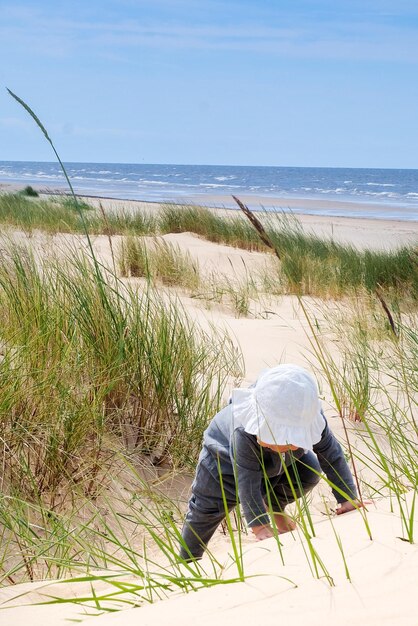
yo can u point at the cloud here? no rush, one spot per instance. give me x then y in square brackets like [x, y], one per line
[58, 129]
[299, 35]
[15, 123]
[334, 42]
[69, 129]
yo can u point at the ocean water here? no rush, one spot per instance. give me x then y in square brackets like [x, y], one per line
[384, 193]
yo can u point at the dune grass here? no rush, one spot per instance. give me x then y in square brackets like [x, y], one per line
[83, 362]
[158, 261]
[311, 265]
[239, 292]
[162, 262]
[28, 215]
[375, 376]
[230, 230]
[63, 214]
[308, 265]
[93, 377]
[130, 542]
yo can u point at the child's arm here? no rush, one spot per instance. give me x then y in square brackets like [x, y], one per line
[245, 458]
[331, 458]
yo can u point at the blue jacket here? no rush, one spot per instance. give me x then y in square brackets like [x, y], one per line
[244, 463]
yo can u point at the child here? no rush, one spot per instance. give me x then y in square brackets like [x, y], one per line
[275, 423]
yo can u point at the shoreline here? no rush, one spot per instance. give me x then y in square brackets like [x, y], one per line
[362, 232]
[300, 206]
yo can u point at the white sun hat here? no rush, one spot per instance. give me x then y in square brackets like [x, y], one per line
[282, 408]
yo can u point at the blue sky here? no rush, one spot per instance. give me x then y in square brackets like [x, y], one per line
[303, 83]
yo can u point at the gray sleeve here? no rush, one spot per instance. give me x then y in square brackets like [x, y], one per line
[332, 461]
[249, 476]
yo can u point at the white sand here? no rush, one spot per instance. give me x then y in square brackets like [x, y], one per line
[382, 590]
[383, 573]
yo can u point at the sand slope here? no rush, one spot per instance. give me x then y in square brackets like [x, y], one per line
[383, 588]
[383, 571]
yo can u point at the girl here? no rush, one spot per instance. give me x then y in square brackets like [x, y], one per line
[267, 446]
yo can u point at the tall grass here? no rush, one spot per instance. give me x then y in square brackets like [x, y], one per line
[158, 260]
[319, 266]
[28, 215]
[78, 369]
[230, 230]
[61, 214]
[129, 543]
[308, 265]
[236, 291]
[383, 396]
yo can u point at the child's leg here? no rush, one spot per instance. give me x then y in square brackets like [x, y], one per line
[206, 511]
[202, 519]
[304, 474]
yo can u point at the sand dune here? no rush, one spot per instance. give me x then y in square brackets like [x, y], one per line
[383, 570]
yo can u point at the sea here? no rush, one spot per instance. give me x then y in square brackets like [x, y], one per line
[375, 193]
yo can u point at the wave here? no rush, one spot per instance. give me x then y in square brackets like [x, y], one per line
[214, 185]
[352, 192]
[45, 176]
[386, 194]
[97, 180]
[153, 182]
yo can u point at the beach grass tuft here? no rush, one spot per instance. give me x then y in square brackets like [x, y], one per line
[158, 261]
[84, 362]
[29, 191]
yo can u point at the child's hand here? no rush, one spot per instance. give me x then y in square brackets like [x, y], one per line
[262, 532]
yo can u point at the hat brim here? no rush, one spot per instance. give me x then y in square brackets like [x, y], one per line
[245, 413]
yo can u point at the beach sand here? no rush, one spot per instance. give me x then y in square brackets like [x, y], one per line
[383, 570]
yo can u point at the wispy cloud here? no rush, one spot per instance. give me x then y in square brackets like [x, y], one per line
[103, 131]
[331, 38]
[15, 123]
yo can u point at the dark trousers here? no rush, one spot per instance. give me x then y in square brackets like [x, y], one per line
[207, 510]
